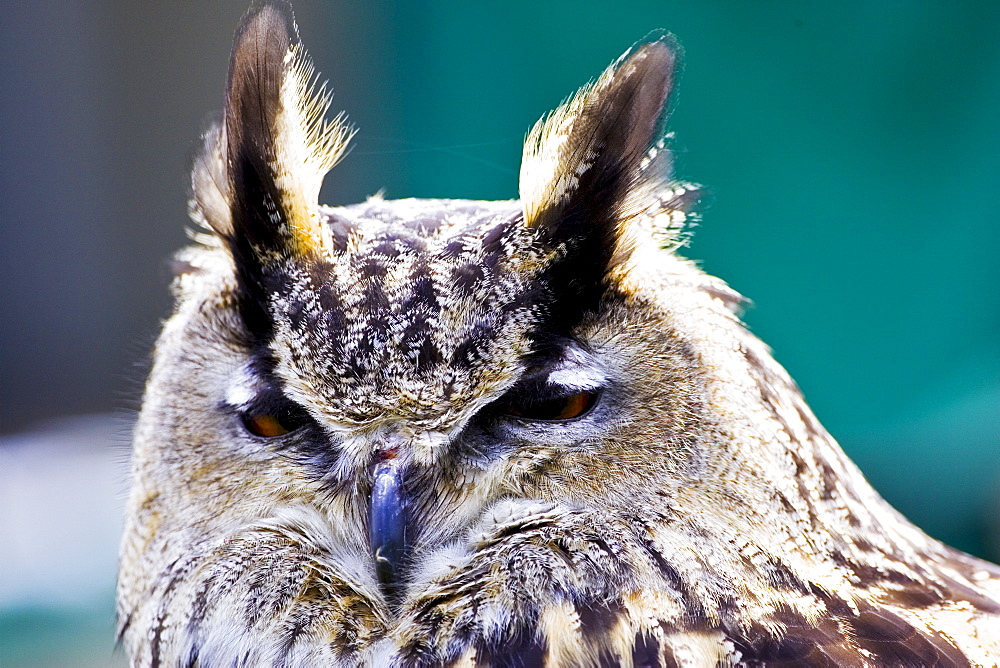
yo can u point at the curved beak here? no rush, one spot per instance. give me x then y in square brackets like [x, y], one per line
[387, 519]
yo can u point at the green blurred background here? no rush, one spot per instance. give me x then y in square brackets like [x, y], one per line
[852, 150]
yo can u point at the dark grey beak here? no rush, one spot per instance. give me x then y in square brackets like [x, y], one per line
[387, 519]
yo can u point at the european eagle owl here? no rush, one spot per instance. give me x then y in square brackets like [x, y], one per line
[467, 433]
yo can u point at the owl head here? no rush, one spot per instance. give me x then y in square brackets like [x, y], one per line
[457, 352]
[421, 430]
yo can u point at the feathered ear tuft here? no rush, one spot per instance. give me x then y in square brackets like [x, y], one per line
[278, 147]
[598, 166]
[257, 178]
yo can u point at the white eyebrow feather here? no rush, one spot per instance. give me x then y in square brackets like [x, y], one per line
[578, 370]
[242, 388]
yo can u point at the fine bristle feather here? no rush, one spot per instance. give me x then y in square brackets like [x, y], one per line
[210, 194]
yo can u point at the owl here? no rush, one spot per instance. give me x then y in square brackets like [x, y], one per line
[517, 433]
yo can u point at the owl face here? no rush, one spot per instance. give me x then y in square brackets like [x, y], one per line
[416, 432]
[445, 338]
[425, 345]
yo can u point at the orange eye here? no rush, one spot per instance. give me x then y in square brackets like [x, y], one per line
[558, 408]
[265, 426]
[272, 415]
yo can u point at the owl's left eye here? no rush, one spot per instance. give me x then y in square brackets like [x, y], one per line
[552, 409]
[265, 426]
[274, 422]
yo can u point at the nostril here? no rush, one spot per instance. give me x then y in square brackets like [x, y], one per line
[386, 454]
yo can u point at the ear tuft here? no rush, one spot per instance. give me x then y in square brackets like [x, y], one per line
[598, 168]
[278, 145]
[603, 131]
[256, 181]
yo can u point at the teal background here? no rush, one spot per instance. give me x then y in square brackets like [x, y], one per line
[852, 150]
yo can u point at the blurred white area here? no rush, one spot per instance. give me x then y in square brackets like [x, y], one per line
[62, 492]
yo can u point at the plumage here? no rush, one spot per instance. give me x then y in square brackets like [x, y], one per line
[450, 432]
